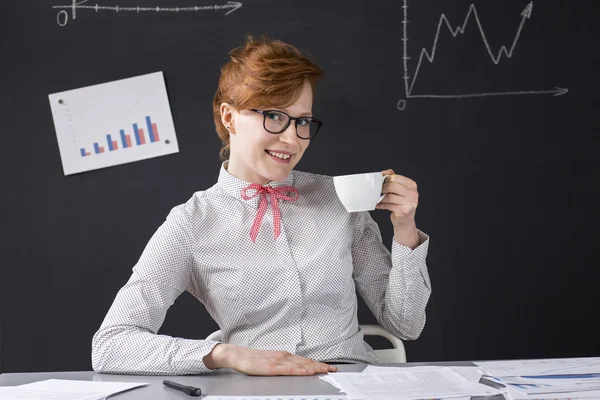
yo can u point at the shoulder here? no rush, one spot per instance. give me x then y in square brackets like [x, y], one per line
[319, 191]
[307, 180]
[191, 212]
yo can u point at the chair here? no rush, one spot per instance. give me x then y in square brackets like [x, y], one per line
[396, 354]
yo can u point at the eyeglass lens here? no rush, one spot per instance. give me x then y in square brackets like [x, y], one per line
[277, 122]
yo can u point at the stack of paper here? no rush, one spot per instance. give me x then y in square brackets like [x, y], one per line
[547, 379]
[58, 389]
[409, 383]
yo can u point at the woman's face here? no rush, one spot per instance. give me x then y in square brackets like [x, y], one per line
[252, 154]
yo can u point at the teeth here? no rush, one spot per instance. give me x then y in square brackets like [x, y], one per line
[280, 155]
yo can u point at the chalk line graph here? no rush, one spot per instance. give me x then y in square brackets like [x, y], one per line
[62, 17]
[504, 51]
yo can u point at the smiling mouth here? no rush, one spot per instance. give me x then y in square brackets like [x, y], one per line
[280, 156]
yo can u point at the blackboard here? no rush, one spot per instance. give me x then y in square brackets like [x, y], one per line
[508, 175]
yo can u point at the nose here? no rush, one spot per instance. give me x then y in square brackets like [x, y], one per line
[289, 135]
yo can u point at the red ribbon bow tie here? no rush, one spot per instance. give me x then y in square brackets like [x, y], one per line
[275, 193]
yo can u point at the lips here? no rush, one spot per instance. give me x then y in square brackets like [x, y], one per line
[281, 154]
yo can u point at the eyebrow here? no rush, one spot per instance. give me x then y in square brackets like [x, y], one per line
[304, 114]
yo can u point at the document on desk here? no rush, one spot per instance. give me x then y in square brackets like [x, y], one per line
[555, 366]
[534, 386]
[286, 397]
[59, 389]
[551, 378]
[408, 383]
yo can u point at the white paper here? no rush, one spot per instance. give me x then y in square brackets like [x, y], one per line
[516, 395]
[557, 366]
[408, 383]
[556, 387]
[286, 397]
[331, 381]
[113, 123]
[470, 373]
[59, 389]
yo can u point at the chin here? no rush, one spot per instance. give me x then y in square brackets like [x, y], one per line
[274, 176]
[275, 173]
[278, 175]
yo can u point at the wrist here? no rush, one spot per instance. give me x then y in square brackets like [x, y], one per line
[220, 356]
[407, 235]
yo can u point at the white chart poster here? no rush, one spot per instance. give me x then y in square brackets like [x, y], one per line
[113, 123]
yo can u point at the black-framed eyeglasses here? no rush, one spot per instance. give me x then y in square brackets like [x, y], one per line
[275, 121]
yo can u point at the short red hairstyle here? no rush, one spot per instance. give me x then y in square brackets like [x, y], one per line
[262, 72]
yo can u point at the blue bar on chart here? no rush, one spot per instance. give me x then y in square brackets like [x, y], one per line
[124, 139]
[110, 143]
[96, 148]
[150, 130]
[82, 152]
[136, 132]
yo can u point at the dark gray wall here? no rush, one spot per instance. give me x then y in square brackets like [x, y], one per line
[508, 184]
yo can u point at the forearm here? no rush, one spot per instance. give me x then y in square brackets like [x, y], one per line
[408, 290]
[127, 350]
[404, 311]
[407, 235]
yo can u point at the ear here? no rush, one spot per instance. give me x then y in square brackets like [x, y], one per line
[228, 113]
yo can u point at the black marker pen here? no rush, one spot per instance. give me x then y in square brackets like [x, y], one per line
[189, 390]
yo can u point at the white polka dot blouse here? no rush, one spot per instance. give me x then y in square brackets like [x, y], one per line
[295, 292]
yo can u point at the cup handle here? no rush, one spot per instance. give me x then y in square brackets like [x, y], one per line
[382, 182]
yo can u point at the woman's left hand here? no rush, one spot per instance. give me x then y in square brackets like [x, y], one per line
[402, 199]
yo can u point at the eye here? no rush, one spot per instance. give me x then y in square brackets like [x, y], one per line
[304, 122]
[274, 116]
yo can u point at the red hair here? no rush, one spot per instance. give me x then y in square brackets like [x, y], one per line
[262, 72]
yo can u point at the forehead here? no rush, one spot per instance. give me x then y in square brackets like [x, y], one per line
[301, 106]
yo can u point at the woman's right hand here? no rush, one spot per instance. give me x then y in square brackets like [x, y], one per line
[263, 362]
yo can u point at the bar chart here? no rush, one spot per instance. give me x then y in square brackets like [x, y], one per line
[113, 123]
[125, 139]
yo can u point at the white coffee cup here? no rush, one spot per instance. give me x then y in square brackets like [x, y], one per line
[360, 192]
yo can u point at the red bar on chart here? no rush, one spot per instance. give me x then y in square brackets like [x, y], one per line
[87, 154]
[142, 138]
[115, 145]
[128, 140]
[101, 149]
[155, 131]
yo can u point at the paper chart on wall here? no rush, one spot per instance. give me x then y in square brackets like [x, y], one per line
[113, 123]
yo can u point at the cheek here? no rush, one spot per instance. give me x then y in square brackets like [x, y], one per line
[256, 139]
[304, 145]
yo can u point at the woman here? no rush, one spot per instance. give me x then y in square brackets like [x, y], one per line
[269, 251]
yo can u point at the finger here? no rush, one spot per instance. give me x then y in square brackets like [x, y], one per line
[398, 188]
[388, 172]
[290, 370]
[322, 368]
[409, 200]
[396, 208]
[316, 366]
[302, 363]
[403, 180]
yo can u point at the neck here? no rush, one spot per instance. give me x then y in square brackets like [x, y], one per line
[239, 173]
